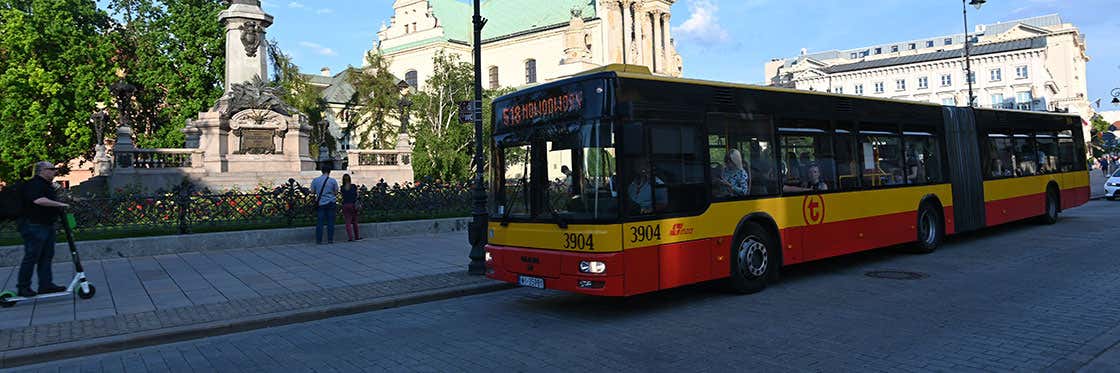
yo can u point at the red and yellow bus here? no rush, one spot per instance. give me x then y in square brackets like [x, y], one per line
[618, 182]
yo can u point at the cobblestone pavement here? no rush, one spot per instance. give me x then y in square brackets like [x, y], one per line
[152, 293]
[1022, 297]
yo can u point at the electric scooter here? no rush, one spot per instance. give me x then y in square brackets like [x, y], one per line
[79, 284]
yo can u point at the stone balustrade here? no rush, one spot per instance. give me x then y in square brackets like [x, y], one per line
[157, 158]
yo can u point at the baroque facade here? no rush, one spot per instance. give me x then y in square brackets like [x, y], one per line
[526, 42]
[1028, 64]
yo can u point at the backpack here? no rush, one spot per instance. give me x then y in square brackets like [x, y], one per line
[11, 202]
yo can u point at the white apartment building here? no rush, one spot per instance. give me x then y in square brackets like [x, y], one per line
[530, 41]
[1028, 64]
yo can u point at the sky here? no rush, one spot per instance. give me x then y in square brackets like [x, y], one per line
[731, 40]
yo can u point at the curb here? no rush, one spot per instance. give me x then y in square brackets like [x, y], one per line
[101, 345]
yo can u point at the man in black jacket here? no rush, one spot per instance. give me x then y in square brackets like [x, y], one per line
[37, 227]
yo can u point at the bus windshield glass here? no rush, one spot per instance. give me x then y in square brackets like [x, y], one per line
[562, 172]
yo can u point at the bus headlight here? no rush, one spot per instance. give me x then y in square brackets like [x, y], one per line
[592, 267]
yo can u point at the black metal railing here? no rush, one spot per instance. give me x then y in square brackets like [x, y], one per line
[186, 209]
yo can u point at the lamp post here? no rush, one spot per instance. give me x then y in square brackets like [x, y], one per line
[477, 234]
[967, 60]
[1116, 96]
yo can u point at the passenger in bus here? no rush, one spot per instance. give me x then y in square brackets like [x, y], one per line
[720, 188]
[734, 175]
[792, 169]
[914, 171]
[998, 170]
[641, 191]
[813, 180]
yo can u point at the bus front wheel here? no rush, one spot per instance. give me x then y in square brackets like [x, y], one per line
[755, 259]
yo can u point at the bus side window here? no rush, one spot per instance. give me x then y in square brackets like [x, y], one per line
[670, 176]
[922, 158]
[1066, 151]
[847, 159]
[1000, 164]
[741, 155]
[809, 161]
[880, 155]
[1047, 152]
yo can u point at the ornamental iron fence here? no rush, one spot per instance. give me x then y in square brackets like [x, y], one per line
[186, 209]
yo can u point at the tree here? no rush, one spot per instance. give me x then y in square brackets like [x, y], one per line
[1100, 141]
[54, 65]
[173, 51]
[300, 94]
[443, 145]
[376, 99]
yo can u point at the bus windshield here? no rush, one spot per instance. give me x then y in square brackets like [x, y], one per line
[562, 172]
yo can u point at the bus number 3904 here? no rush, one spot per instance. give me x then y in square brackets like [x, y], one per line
[641, 233]
[579, 241]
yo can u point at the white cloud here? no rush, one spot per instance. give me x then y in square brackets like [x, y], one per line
[702, 25]
[324, 11]
[295, 4]
[318, 48]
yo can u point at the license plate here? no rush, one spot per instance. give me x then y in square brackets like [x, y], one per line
[533, 282]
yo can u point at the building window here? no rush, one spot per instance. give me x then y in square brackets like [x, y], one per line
[840, 90]
[996, 74]
[946, 80]
[493, 77]
[1021, 72]
[406, 29]
[951, 101]
[923, 82]
[948, 41]
[859, 89]
[1023, 100]
[972, 77]
[997, 101]
[879, 87]
[530, 71]
[878, 50]
[929, 44]
[894, 49]
[913, 46]
[900, 85]
[411, 78]
[854, 55]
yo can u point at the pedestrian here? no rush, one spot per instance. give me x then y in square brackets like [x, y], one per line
[39, 212]
[326, 190]
[350, 206]
[1104, 165]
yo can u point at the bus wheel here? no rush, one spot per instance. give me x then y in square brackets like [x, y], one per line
[1050, 216]
[754, 260]
[931, 229]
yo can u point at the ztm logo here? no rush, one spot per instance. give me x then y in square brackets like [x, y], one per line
[679, 229]
[813, 208]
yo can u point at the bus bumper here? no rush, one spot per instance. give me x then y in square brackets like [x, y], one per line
[556, 270]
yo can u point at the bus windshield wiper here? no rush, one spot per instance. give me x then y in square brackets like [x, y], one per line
[556, 218]
[509, 209]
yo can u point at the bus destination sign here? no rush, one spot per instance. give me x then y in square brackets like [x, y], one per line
[550, 107]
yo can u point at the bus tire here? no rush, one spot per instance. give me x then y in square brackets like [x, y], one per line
[755, 258]
[1050, 214]
[930, 228]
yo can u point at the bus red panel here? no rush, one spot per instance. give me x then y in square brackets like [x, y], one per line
[1012, 209]
[1074, 197]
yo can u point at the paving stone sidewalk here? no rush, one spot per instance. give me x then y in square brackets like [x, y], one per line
[174, 291]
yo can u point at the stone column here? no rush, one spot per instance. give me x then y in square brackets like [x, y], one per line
[658, 54]
[246, 52]
[627, 31]
[667, 65]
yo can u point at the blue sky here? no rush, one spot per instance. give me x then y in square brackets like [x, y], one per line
[730, 40]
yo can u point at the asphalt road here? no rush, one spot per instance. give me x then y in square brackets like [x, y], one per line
[1019, 297]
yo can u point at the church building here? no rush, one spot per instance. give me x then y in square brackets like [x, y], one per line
[526, 42]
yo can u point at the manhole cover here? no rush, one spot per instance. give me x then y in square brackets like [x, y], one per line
[896, 275]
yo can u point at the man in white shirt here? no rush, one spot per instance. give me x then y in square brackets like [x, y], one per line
[325, 189]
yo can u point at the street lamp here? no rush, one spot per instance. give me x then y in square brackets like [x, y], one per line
[967, 60]
[1116, 96]
[477, 233]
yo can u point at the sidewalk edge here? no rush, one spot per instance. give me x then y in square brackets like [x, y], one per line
[67, 350]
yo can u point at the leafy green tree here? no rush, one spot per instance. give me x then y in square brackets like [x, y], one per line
[1099, 140]
[54, 65]
[300, 94]
[376, 100]
[444, 146]
[173, 51]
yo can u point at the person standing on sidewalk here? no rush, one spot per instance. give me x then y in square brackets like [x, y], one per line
[350, 208]
[325, 189]
[40, 210]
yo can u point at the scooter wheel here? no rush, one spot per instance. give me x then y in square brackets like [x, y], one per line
[4, 302]
[86, 294]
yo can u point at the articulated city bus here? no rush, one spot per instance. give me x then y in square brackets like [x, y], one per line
[617, 182]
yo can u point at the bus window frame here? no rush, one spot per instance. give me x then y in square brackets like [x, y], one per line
[780, 150]
[772, 139]
[625, 215]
